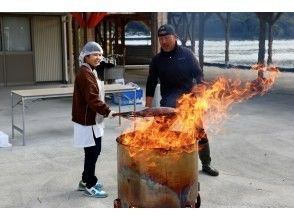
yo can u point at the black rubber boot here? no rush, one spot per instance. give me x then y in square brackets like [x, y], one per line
[204, 155]
[209, 170]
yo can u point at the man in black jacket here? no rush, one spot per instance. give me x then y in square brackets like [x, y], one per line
[177, 70]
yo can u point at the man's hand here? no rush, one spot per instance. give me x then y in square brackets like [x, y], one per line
[149, 100]
[199, 89]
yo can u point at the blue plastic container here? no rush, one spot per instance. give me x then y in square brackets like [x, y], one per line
[127, 98]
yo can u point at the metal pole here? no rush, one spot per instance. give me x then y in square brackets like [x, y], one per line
[64, 42]
[70, 50]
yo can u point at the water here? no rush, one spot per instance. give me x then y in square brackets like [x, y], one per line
[243, 52]
[246, 52]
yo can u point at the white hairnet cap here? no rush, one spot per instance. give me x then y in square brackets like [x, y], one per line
[89, 48]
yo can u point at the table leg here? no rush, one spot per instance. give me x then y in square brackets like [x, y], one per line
[23, 122]
[119, 108]
[12, 116]
[135, 100]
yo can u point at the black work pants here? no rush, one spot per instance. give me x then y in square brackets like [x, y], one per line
[203, 145]
[91, 156]
[204, 150]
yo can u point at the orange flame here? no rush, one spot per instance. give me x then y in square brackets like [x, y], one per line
[211, 100]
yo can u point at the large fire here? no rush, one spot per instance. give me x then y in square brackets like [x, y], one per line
[209, 101]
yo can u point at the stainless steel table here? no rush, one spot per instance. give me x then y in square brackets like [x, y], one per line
[20, 97]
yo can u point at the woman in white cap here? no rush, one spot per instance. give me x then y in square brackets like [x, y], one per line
[88, 112]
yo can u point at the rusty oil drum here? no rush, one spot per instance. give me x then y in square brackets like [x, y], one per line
[157, 178]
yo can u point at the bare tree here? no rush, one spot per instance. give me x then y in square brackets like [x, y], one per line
[184, 24]
[202, 18]
[192, 27]
[227, 24]
[264, 18]
[272, 19]
[262, 34]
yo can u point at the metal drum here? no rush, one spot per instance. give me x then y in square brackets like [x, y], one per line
[156, 177]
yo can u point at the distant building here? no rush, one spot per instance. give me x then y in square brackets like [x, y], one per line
[32, 48]
[43, 47]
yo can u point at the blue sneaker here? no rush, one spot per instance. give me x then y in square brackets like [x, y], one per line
[82, 186]
[93, 192]
[99, 186]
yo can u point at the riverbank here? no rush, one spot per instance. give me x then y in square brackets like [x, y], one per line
[246, 67]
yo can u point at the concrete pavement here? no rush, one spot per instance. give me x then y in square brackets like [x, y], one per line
[254, 152]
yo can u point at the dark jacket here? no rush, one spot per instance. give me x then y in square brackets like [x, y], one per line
[86, 102]
[177, 71]
[101, 68]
